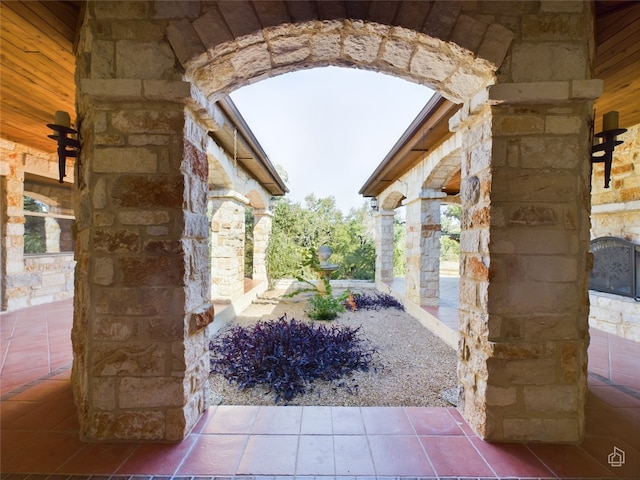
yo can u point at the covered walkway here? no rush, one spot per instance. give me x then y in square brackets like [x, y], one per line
[40, 430]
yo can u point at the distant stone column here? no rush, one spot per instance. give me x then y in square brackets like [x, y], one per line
[52, 235]
[423, 249]
[14, 280]
[261, 233]
[384, 245]
[227, 245]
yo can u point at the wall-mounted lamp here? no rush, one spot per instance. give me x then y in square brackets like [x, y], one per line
[67, 147]
[604, 148]
[374, 203]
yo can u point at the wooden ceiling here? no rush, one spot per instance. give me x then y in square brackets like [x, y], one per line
[37, 65]
[617, 60]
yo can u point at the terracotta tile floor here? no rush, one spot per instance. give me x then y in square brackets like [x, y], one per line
[39, 431]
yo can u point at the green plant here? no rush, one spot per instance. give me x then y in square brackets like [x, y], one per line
[326, 307]
[322, 305]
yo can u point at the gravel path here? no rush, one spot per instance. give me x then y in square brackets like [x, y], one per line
[414, 367]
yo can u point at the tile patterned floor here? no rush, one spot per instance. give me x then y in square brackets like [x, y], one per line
[39, 430]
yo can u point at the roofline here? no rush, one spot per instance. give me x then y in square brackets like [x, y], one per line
[231, 111]
[435, 102]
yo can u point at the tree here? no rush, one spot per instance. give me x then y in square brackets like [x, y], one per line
[399, 244]
[283, 254]
[354, 243]
[249, 221]
[450, 220]
[297, 228]
[450, 216]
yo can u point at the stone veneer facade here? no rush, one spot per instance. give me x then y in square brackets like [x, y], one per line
[522, 71]
[27, 280]
[615, 212]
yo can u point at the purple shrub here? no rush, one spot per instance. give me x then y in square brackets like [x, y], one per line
[364, 301]
[288, 355]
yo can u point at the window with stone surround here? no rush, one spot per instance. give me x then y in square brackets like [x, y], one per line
[48, 215]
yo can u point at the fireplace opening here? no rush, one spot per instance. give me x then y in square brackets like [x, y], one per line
[616, 267]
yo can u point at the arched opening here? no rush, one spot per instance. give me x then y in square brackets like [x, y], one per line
[459, 56]
[361, 45]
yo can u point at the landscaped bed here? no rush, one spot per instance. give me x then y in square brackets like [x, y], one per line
[408, 365]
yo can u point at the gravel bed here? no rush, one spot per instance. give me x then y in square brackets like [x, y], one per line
[414, 367]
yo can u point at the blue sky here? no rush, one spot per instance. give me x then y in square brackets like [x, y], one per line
[329, 127]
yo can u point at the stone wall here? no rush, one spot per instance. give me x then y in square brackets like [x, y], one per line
[615, 212]
[230, 191]
[615, 314]
[28, 280]
[524, 241]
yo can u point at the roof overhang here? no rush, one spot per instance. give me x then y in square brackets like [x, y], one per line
[428, 130]
[237, 139]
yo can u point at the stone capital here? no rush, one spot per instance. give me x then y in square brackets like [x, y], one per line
[229, 195]
[545, 92]
[426, 194]
[118, 89]
[385, 213]
[259, 213]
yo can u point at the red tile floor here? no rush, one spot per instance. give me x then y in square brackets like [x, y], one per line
[39, 430]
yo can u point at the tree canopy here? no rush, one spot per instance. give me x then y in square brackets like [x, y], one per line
[298, 228]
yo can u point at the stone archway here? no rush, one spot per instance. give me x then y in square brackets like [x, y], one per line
[524, 122]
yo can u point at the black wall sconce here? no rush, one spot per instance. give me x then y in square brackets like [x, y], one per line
[374, 203]
[67, 147]
[604, 148]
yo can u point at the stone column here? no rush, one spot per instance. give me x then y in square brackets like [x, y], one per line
[524, 267]
[227, 245]
[141, 306]
[15, 282]
[423, 249]
[141, 292]
[522, 357]
[263, 220]
[384, 245]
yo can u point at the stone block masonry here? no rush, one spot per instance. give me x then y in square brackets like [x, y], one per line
[227, 247]
[28, 279]
[142, 299]
[525, 195]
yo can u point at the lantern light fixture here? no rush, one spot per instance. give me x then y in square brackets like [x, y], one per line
[606, 143]
[67, 146]
[374, 203]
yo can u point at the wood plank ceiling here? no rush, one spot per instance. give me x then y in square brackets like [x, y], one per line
[37, 65]
[617, 60]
